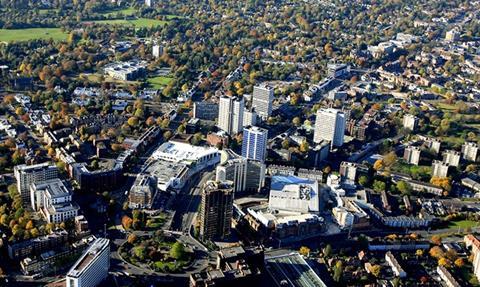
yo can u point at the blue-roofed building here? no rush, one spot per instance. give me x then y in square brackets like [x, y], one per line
[296, 194]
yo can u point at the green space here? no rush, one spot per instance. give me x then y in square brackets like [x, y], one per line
[126, 12]
[139, 23]
[11, 35]
[46, 11]
[462, 224]
[159, 82]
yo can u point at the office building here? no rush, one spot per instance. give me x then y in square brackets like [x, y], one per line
[28, 174]
[330, 126]
[262, 99]
[294, 194]
[92, 267]
[410, 122]
[54, 200]
[246, 175]
[254, 145]
[205, 111]
[470, 151]
[230, 114]
[157, 49]
[439, 169]
[451, 157]
[412, 155]
[216, 210]
[142, 193]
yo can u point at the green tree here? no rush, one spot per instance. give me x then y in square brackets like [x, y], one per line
[379, 185]
[178, 251]
[337, 271]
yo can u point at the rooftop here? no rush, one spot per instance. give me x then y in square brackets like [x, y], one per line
[93, 251]
[294, 270]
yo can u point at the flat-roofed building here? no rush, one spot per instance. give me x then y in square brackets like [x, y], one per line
[412, 155]
[392, 261]
[292, 268]
[216, 210]
[92, 267]
[291, 193]
[54, 200]
[262, 99]
[246, 175]
[28, 174]
[451, 157]
[470, 151]
[439, 169]
[410, 122]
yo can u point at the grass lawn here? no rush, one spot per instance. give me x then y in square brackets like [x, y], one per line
[11, 35]
[46, 11]
[462, 224]
[140, 23]
[159, 82]
[126, 12]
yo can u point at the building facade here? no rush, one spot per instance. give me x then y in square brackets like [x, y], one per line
[330, 126]
[262, 99]
[28, 174]
[412, 155]
[254, 145]
[92, 267]
[216, 210]
[230, 114]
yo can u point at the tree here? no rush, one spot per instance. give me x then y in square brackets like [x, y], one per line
[363, 180]
[459, 262]
[444, 262]
[419, 253]
[178, 251]
[379, 186]
[376, 270]
[403, 186]
[304, 250]
[133, 121]
[327, 252]
[337, 271]
[150, 121]
[132, 238]
[436, 252]
[378, 165]
[285, 144]
[127, 222]
[437, 240]
[304, 147]
[296, 121]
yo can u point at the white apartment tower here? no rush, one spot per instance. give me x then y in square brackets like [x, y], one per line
[451, 157]
[439, 169]
[92, 267]
[230, 114]
[262, 99]
[410, 122]
[330, 126]
[28, 174]
[412, 155]
[470, 151]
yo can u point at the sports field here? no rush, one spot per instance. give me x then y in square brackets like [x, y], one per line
[11, 35]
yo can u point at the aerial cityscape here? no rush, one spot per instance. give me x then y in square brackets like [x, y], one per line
[225, 143]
